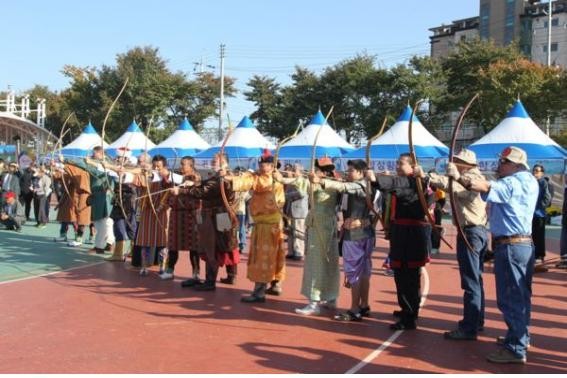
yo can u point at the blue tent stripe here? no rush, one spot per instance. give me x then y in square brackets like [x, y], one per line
[113, 152]
[77, 152]
[534, 151]
[296, 152]
[231, 152]
[169, 152]
[392, 151]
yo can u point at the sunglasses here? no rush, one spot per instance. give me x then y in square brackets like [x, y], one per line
[504, 161]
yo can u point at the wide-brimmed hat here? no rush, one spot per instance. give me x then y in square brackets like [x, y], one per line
[466, 156]
[515, 155]
[325, 163]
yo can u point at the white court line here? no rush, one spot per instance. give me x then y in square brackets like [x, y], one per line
[375, 353]
[51, 273]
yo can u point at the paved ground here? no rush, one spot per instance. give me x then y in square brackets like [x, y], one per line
[101, 317]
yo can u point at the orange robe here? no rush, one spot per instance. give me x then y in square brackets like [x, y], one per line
[73, 205]
[266, 260]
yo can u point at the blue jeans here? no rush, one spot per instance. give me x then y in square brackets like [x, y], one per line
[241, 231]
[471, 266]
[513, 269]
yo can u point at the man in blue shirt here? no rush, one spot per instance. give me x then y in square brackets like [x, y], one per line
[512, 201]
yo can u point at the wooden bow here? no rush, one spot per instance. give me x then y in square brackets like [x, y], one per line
[148, 182]
[369, 201]
[284, 141]
[451, 157]
[229, 209]
[312, 163]
[103, 133]
[60, 143]
[120, 198]
[419, 184]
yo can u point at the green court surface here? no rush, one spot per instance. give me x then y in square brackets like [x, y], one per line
[34, 253]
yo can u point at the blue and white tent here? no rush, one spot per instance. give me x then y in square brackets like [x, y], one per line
[329, 143]
[386, 149]
[83, 145]
[183, 142]
[243, 147]
[519, 130]
[133, 140]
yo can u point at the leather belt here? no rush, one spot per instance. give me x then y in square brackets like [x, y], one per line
[513, 239]
[354, 223]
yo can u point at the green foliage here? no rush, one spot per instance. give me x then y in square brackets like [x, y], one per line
[361, 93]
[153, 93]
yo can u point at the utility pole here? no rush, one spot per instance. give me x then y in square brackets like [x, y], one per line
[221, 105]
[549, 10]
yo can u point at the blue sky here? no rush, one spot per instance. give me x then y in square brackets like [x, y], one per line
[262, 37]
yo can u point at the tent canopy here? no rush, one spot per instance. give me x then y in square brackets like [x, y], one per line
[133, 140]
[83, 145]
[329, 142]
[243, 147]
[518, 129]
[183, 142]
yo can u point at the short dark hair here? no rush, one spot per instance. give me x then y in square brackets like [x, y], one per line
[536, 166]
[160, 158]
[190, 158]
[358, 164]
[97, 148]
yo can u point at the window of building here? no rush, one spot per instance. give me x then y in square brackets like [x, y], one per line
[484, 20]
[554, 23]
[554, 47]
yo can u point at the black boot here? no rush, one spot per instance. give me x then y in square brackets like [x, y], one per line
[231, 271]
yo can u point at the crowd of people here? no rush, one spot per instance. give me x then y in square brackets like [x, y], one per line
[326, 217]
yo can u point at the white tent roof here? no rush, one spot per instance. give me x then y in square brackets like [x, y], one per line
[84, 143]
[245, 141]
[183, 142]
[519, 130]
[133, 139]
[329, 142]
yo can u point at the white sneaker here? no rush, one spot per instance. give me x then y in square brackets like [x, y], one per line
[434, 251]
[143, 272]
[166, 276]
[74, 243]
[311, 309]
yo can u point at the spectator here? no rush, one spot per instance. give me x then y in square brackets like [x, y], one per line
[12, 214]
[539, 217]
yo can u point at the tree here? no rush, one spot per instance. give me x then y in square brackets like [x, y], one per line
[541, 89]
[153, 93]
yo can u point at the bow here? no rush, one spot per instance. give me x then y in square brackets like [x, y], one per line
[229, 209]
[451, 156]
[149, 194]
[368, 145]
[120, 199]
[60, 143]
[284, 141]
[419, 185]
[103, 132]
[311, 188]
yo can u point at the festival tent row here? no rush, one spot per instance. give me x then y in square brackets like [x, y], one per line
[243, 147]
[519, 130]
[246, 144]
[300, 148]
[385, 150]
